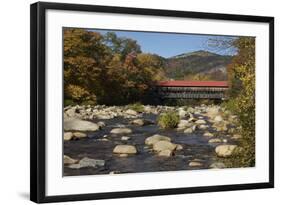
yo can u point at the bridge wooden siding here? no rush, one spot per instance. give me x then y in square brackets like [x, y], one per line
[192, 89]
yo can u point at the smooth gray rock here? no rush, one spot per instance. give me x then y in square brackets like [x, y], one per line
[208, 134]
[125, 138]
[164, 145]
[179, 147]
[212, 111]
[225, 150]
[200, 122]
[131, 112]
[195, 164]
[104, 116]
[68, 160]
[182, 113]
[184, 124]
[125, 149]
[165, 153]
[88, 162]
[218, 118]
[217, 165]
[215, 140]
[203, 127]
[155, 138]
[140, 122]
[79, 125]
[101, 124]
[79, 135]
[67, 136]
[121, 131]
[71, 112]
[188, 130]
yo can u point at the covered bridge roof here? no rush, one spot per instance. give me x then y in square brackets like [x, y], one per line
[183, 83]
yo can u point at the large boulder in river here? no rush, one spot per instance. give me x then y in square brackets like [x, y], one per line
[184, 124]
[225, 150]
[218, 118]
[164, 145]
[208, 134]
[165, 153]
[215, 140]
[71, 112]
[203, 127]
[125, 149]
[217, 165]
[188, 130]
[140, 122]
[200, 122]
[68, 160]
[121, 130]
[125, 138]
[88, 162]
[179, 147]
[67, 136]
[79, 135]
[182, 113]
[79, 125]
[195, 164]
[131, 112]
[212, 111]
[101, 124]
[155, 138]
[104, 116]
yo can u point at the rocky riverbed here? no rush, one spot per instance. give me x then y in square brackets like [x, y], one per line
[116, 139]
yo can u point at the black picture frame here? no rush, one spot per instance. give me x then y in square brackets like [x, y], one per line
[38, 101]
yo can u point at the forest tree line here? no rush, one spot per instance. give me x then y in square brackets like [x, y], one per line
[107, 69]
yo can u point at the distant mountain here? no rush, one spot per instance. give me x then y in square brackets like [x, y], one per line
[195, 53]
[187, 65]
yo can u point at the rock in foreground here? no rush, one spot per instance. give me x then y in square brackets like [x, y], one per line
[165, 153]
[184, 124]
[67, 136]
[131, 112]
[200, 122]
[208, 134]
[225, 150]
[79, 125]
[68, 160]
[195, 164]
[155, 138]
[88, 162]
[188, 130]
[217, 165]
[79, 135]
[215, 140]
[121, 131]
[164, 145]
[140, 122]
[125, 149]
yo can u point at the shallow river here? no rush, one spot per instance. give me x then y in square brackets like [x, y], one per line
[195, 147]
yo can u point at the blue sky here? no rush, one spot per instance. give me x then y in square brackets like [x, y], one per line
[169, 44]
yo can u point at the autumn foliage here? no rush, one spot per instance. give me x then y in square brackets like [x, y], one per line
[107, 69]
[242, 98]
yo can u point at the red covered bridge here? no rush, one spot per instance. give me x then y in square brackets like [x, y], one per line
[192, 89]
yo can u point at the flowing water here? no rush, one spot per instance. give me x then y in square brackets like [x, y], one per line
[195, 147]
